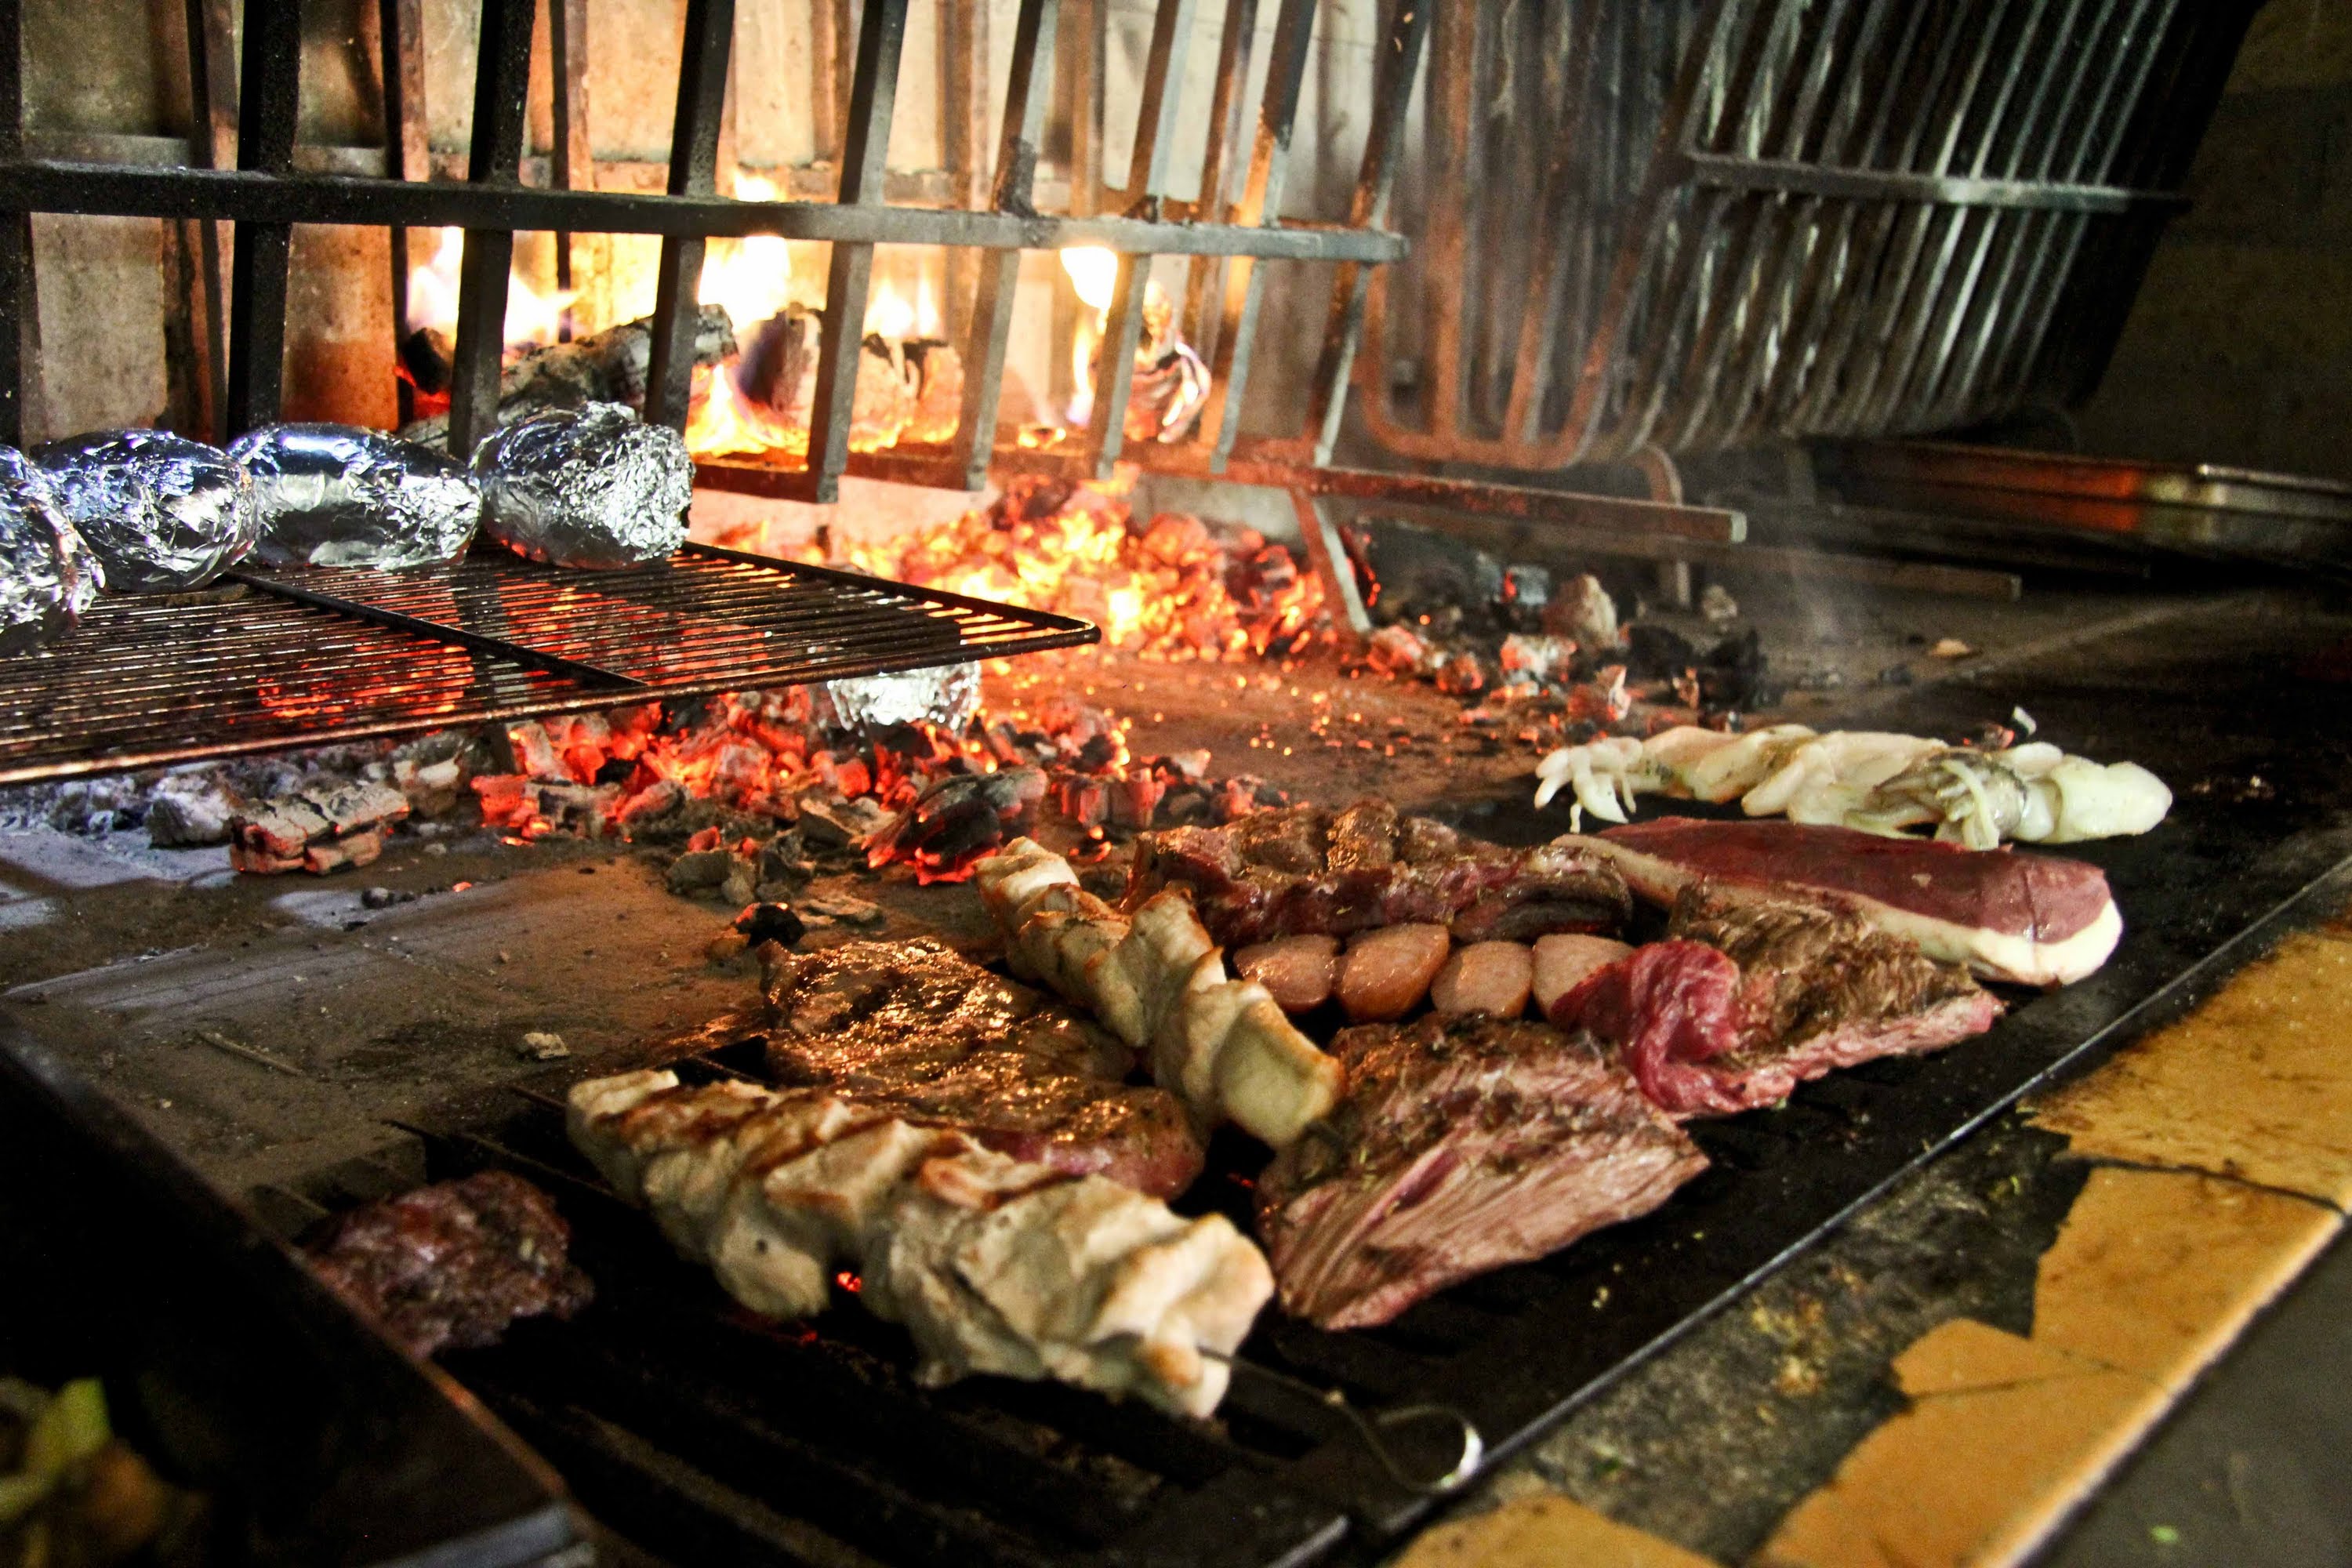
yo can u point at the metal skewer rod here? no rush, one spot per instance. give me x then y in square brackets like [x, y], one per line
[1372, 1428]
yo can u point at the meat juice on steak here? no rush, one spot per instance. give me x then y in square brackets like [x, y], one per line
[1460, 1145]
[1307, 870]
[455, 1263]
[915, 1029]
[1746, 997]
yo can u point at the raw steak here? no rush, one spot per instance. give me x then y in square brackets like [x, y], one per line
[2036, 919]
[1305, 869]
[1459, 1145]
[914, 1029]
[1748, 997]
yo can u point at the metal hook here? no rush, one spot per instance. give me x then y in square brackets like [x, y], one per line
[1370, 1428]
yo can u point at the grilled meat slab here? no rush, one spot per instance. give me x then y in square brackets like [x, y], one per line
[917, 1028]
[2007, 914]
[1304, 869]
[453, 1263]
[1459, 1145]
[1749, 996]
[994, 1265]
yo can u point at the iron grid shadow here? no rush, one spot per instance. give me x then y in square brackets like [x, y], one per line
[310, 656]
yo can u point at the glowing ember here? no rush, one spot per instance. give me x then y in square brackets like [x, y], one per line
[1167, 586]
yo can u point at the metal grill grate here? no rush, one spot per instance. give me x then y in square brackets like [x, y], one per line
[312, 656]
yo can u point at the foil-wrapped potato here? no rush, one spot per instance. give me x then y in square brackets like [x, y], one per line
[161, 512]
[336, 495]
[590, 487]
[47, 576]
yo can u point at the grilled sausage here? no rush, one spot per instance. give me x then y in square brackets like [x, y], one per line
[1297, 972]
[1387, 972]
[1489, 977]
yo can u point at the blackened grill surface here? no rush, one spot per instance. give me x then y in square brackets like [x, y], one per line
[310, 654]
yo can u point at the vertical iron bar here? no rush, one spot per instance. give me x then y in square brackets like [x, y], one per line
[212, 100]
[1447, 116]
[502, 89]
[1383, 153]
[1327, 553]
[1225, 132]
[572, 161]
[1155, 136]
[693, 169]
[866, 149]
[19, 302]
[963, 143]
[408, 154]
[271, 93]
[1000, 271]
[826, 32]
[1261, 203]
[1082, 44]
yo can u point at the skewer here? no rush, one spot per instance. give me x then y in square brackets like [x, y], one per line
[1370, 1428]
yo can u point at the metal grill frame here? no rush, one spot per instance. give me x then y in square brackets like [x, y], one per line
[264, 195]
[1859, 218]
[145, 681]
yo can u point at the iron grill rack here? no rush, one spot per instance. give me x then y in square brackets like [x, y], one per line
[306, 656]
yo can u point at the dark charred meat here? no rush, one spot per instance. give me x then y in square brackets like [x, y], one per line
[1748, 997]
[1460, 1145]
[914, 1029]
[453, 1263]
[1304, 870]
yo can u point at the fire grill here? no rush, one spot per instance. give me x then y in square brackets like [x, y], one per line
[694, 1425]
[1763, 219]
[308, 655]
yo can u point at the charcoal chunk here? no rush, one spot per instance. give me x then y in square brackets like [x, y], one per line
[589, 487]
[162, 513]
[335, 495]
[769, 922]
[47, 575]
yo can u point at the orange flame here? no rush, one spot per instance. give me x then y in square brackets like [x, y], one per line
[533, 318]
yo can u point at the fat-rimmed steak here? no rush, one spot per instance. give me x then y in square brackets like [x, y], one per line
[1748, 997]
[1308, 870]
[1459, 1145]
[2007, 914]
[914, 1028]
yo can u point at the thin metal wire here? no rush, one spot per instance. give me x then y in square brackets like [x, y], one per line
[1373, 1429]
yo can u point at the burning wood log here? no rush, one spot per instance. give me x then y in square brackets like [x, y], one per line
[315, 830]
[610, 366]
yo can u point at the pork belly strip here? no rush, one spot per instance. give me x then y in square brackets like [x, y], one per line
[1307, 870]
[1460, 1145]
[2007, 914]
[923, 1032]
[1748, 997]
[994, 1265]
[1157, 981]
